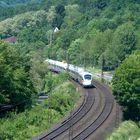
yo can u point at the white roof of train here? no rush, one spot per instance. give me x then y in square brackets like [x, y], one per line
[70, 66]
[57, 63]
[79, 70]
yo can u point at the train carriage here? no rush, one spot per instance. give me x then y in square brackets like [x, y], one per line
[77, 73]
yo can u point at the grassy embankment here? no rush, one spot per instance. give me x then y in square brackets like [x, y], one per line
[40, 118]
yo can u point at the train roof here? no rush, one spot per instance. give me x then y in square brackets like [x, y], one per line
[71, 67]
[79, 70]
[58, 63]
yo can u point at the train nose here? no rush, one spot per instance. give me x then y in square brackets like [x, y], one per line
[87, 83]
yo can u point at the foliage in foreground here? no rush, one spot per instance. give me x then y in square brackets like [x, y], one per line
[126, 86]
[127, 131]
[31, 123]
[15, 83]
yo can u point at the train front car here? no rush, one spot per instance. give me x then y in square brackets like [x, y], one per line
[87, 79]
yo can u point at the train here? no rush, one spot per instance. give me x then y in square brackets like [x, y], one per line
[77, 73]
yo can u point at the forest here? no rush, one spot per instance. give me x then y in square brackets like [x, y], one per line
[110, 30]
[100, 33]
[7, 3]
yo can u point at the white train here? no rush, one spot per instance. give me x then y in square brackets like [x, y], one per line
[77, 73]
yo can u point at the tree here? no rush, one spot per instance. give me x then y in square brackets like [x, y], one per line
[15, 84]
[60, 13]
[51, 14]
[38, 72]
[124, 40]
[74, 52]
[126, 86]
[72, 16]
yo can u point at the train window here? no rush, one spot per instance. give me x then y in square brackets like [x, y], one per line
[87, 77]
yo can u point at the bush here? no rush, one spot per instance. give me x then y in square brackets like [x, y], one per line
[128, 130]
[33, 122]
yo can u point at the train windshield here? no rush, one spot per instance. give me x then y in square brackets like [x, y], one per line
[87, 77]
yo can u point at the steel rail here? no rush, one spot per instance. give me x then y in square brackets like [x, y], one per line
[72, 119]
[81, 112]
[102, 117]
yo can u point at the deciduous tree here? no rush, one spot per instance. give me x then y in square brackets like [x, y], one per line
[126, 86]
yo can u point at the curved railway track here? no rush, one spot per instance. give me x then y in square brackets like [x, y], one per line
[108, 105]
[95, 109]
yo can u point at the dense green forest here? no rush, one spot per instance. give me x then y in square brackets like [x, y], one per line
[91, 33]
[103, 29]
[10, 8]
[7, 3]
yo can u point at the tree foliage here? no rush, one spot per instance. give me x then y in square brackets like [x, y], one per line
[38, 72]
[105, 27]
[15, 84]
[126, 86]
[89, 31]
[60, 13]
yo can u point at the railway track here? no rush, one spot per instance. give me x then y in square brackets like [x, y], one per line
[79, 114]
[108, 105]
[94, 111]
